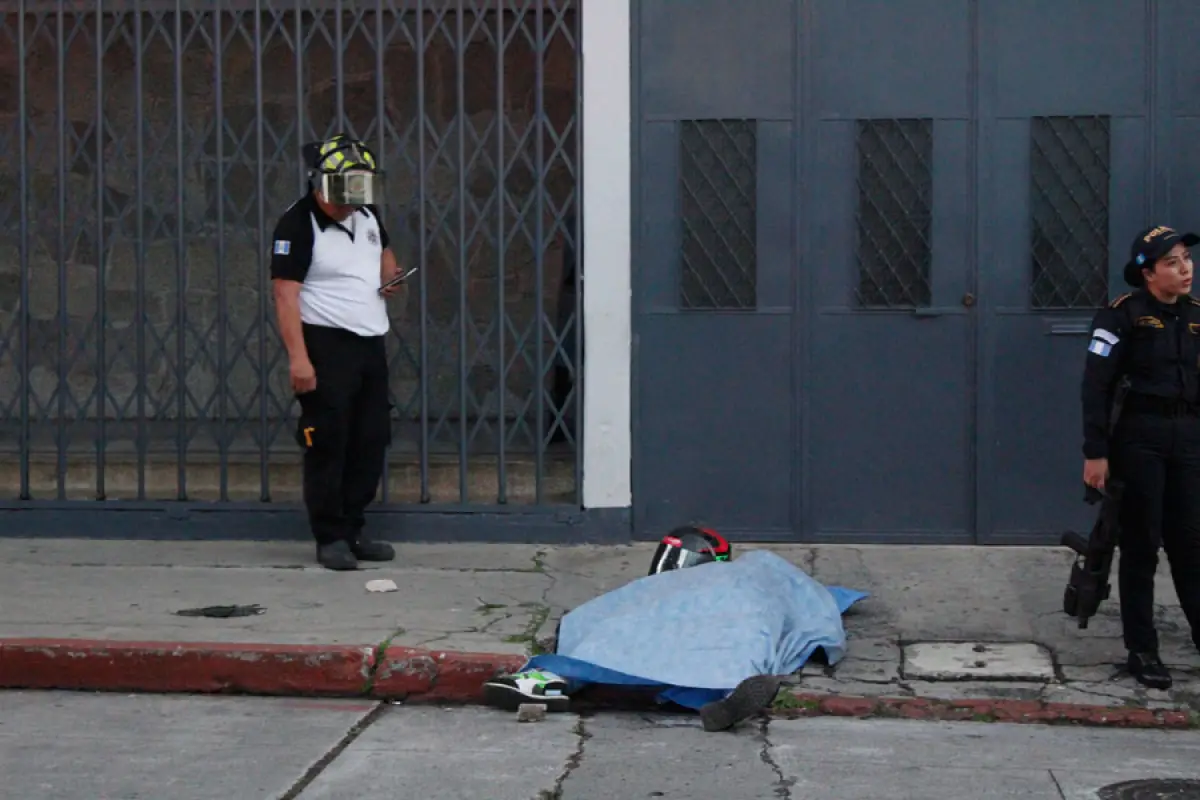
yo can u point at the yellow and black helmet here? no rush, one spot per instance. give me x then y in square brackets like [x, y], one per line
[345, 171]
[341, 153]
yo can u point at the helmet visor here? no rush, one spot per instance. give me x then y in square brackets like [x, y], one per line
[353, 188]
[691, 558]
[671, 554]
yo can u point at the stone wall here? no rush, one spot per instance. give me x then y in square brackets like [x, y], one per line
[165, 230]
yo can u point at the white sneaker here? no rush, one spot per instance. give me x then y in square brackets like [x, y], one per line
[531, 686]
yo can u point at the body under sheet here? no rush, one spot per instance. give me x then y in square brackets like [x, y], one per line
[700, 631]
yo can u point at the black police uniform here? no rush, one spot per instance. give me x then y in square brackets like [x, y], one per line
[1154, 448]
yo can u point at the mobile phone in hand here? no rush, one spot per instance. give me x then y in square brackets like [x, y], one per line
[398, 279]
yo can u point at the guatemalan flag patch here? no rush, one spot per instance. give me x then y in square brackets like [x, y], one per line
[282, 247]
[1102, 342]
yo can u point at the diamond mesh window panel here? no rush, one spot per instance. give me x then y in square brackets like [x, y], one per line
[1068, 183]
[718, 183]
[895, 212]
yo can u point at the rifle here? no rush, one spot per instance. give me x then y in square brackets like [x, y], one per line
[1089, 584]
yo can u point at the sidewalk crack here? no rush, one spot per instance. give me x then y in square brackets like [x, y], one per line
[573, 762]
[377, 658]
[783, 786]
[313, 772]
[1057, 785]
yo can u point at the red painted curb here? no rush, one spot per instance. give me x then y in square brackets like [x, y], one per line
[1018, 711]
[98, 665]
[433, 676]
[444, 676]
[416, 675]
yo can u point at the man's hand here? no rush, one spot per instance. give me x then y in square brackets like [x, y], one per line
[304, 377]
[389, 269]
[291, 329]
[1095, 472]
[394, 289]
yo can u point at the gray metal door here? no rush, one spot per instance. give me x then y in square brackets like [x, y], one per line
[1065, 152]
[863, 278]
[1178, 103]
[713, 287]
[890, 359]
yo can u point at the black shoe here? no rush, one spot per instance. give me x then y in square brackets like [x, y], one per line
[337, 556]
[1149, 670]
[751, 696]
[367, 549]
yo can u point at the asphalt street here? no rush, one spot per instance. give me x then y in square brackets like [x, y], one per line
[62, 746]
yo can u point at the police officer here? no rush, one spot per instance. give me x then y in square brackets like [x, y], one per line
[330, 265]
[1152, 337]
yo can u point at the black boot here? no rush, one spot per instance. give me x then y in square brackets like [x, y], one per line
[750, 697]
[337, 556]
[365, 548]
[1149, 670]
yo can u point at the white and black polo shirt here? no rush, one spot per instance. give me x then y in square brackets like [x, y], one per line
[337, 263]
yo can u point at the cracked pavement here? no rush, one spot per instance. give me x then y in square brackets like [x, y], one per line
[60, 746]
[504, 598]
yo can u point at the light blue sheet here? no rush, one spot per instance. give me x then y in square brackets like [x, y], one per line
[699, 632]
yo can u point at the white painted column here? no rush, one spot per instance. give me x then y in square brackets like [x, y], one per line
[607, 254]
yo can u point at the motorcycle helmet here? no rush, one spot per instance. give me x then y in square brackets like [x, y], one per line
[689, 546]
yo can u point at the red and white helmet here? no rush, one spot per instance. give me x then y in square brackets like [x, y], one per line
[689, 546]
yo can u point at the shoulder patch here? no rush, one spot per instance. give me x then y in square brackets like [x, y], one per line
[1119, 300]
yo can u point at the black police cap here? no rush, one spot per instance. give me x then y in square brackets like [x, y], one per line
[1149, 246]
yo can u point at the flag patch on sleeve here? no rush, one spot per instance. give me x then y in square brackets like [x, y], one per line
[1102, 342]
[282, 247]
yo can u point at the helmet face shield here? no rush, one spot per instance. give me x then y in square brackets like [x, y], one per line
[345, 172]
[352, 187]
[689, 546]
[671, 555]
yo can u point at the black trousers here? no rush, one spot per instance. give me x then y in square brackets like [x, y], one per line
[1158, 456]
[345, 428]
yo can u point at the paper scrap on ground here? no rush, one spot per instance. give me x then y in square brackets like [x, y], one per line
[381, 586]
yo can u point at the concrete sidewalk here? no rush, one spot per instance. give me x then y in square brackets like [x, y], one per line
[104, 615]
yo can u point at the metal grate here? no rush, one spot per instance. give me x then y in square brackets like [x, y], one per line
[717, 179]
[895, 212]
[1152, 789]
[1069, 190]
[150, 154]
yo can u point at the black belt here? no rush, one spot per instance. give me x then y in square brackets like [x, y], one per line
[1155, 405]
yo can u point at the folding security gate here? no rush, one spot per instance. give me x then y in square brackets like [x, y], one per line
[147, 149]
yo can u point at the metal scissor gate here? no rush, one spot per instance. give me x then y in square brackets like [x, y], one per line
[148, 148]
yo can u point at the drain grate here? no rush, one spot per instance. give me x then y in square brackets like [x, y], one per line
[1153, 789]
[222, 612]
